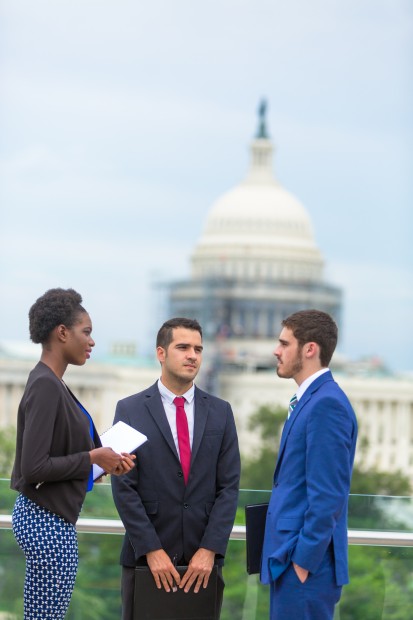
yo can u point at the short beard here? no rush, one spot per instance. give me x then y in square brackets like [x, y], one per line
[297, 366]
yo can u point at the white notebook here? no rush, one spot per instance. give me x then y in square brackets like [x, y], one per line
[121, 438]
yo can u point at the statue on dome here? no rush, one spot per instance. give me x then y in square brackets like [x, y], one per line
[262, 126]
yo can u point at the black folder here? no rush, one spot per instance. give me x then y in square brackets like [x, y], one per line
[151, 603]
[255, 516]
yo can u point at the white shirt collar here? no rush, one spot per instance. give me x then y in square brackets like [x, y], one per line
[170, 396]
[307, 382]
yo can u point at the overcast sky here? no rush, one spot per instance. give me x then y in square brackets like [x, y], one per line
[122, 122]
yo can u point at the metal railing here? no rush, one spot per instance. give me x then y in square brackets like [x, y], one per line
[355, 537]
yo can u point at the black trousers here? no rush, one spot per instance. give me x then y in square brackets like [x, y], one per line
[128, 593]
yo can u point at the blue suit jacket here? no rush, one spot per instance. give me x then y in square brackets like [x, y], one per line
[157, 509]
[308, 505]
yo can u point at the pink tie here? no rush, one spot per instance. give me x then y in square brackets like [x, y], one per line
[183, 436]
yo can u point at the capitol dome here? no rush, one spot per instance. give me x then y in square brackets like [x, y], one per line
[255, 263]
[258, 230]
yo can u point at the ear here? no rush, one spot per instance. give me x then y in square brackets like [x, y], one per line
[160, 354]
[312, 350]
[61, 333]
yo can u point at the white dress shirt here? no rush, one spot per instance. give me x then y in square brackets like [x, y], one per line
[170, 410]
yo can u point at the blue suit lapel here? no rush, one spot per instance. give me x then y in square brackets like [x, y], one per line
[327, 376]
[289, 424]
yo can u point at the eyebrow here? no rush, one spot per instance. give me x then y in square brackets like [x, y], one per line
[187, 344]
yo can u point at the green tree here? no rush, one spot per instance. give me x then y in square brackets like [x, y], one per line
[12, 569]
[7, 450]
[258, 470]
[373, 482]
[367, 507]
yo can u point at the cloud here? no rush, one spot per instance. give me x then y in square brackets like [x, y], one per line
[378, 305]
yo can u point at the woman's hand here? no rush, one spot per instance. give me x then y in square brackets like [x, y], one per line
[126, 464]
[111, 461]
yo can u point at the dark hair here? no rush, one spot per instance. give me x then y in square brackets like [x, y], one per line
[165, 334]
[56, 307]
[314, 326]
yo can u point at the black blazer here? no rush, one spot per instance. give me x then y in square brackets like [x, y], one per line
[52, 446]
[157, 509]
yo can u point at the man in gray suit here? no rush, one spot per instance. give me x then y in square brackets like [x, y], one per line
[178, 504]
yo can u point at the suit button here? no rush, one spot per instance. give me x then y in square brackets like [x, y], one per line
[180, 474]
[186, 505]
[276, 484]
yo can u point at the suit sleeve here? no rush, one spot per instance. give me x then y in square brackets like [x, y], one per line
[37, 461]
[330, 432]
[140, 531]
[222, 515]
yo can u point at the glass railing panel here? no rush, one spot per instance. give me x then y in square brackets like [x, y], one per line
[372, 512]
[12, 567]
[368, 512]
[244, 597]
[97, 590]
[99, 503]
[380, 585]
[381, 577]
[7, 497]
[380, 512]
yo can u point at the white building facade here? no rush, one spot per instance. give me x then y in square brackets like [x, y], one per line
[384, 405]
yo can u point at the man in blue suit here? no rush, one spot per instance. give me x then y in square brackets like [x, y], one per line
[305, 544]
[177, 509]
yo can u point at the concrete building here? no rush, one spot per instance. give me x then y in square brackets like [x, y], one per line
[256, 263]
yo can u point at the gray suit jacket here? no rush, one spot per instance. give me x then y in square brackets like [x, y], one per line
[157, 509]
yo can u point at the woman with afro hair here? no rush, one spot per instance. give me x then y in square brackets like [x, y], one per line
[56, 447]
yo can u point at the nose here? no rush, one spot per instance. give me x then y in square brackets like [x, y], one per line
[276, 352]
[91, 342]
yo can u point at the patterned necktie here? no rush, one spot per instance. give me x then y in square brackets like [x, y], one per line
[183, 436]
[291, 406]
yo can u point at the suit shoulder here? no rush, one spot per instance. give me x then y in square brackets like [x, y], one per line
[332, 390]
[215, 400]
[335, 388]
[42, 378]
[330, 387]
[139, 397]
